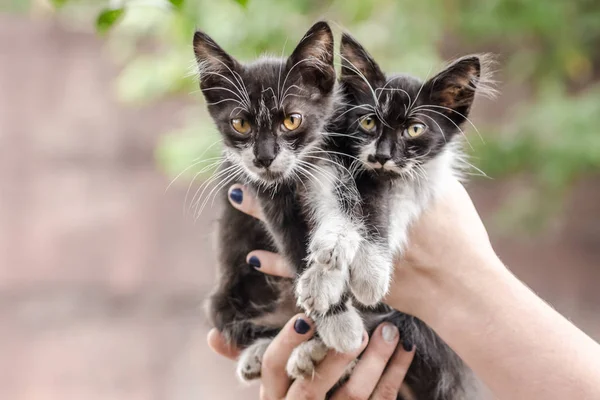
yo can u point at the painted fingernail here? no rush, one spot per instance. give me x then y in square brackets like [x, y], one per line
[236, 195]
[389, 332]
[254, 261]
[407, 345]
[301, 326]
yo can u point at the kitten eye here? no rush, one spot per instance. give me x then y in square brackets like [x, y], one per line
[240, 125]
[415, 130]
[292, 122]
[368, 123]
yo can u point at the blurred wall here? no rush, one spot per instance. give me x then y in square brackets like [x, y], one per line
[102, 277]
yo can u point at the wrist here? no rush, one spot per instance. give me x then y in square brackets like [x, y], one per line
[428, 290]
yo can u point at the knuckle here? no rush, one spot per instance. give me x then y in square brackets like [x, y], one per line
[305, 392]
[386, 391]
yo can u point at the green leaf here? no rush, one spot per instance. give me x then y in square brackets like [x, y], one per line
[178, 4]
[243, 3]
[107, 19]
[59, 3]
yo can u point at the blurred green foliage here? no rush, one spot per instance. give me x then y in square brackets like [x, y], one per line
[549, 50]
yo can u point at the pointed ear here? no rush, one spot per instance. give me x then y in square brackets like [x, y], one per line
[454, 88]
[212, 60]
[358, 65]
[313, 58]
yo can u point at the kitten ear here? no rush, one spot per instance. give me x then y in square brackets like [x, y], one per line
[212, 60]
[358, 65]
[454, 88]
[313, 58]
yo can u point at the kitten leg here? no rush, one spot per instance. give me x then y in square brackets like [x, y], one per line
[341, 328]
[332, 247]
[250, 361]
[371, 273]
[305, 358]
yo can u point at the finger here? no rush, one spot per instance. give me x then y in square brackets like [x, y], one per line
[217, 342]
[327, 374]
[367, 372]
[243, 200]
[275, 382]
[269, 263]
[393, 376]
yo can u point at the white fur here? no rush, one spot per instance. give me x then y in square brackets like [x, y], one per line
[305, 358]
[250, 361]
[333, 246]
[411, 197]
[370, 273]
[342, 332]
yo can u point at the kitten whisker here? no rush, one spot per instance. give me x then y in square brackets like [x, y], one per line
[435, 122]
[454, 111]
[455, 124]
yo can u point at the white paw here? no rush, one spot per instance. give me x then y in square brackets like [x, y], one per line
[342, 332]
[370, 274]
[250, 362]
[305, 358]
[335, 250]
[318, 288]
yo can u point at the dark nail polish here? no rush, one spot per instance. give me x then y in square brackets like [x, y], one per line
[236, 195]
[301, 326]
[254, 261]
[407, 345]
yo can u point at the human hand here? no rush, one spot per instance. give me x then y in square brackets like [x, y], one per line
[377, 375]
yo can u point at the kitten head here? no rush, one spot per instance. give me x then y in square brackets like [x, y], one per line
[271, 112]
[400, 122]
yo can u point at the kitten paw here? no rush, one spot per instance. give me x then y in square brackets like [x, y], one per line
[305, 358]
[370, 274]
[250, 362]
[342, 332]
[334, 250]
[319, 288]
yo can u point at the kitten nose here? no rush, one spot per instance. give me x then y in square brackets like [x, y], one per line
[264, 161]
[382, 158]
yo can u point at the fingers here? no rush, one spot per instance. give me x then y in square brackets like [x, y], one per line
[270, 263]
[371, 365]
[275, 382]
[327, 374]
[391, 380]
[219, 345]
[243, 200]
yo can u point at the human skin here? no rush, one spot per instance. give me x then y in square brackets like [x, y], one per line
[452, 279]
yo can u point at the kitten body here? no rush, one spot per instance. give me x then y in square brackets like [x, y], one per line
[402, 137]
[273, 116]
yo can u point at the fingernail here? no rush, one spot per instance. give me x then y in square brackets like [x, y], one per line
[254, 261]
[389, 332]
[301, 326]
[407, 345]
[236, 195]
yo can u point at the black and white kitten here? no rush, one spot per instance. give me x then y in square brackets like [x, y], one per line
[273, 116]
[403, 141]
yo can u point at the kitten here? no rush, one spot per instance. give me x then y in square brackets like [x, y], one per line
[273, 116]
[402, 138]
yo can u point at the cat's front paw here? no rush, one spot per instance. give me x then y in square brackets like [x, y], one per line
[342, 331]
[250, 362]
[371, 274]
[305, 358]
[319, 288]
[334, 249]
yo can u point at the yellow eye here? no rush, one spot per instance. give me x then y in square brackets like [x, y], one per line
[368, 123]
[240, 125]
[292, 122]
[415, 130]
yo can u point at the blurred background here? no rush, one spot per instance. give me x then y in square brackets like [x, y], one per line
[103, 271]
